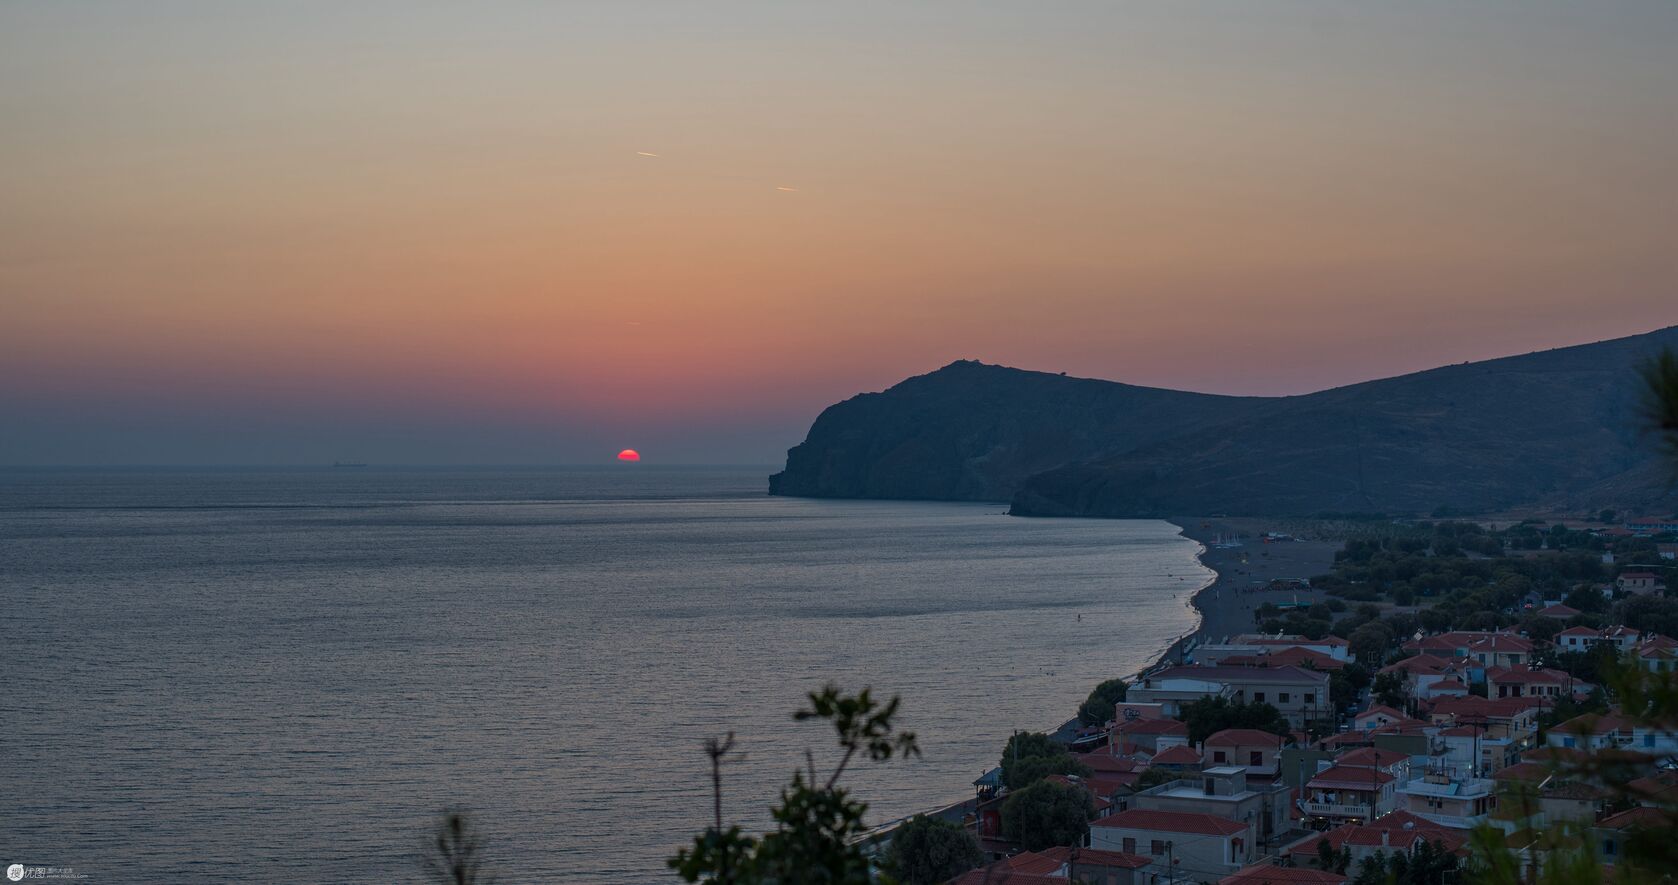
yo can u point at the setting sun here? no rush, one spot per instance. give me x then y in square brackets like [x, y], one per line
[629, 455]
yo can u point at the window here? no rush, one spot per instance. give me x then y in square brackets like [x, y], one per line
[1258, 697]
[1255, 757]
[1284, 697]
[1129, 845]
[1608, 848]
[1567, 742]
[1218, 757]
[1648, 740]
[1157, 848]
[1310, 699]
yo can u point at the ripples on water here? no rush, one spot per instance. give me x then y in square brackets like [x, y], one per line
[267, 676]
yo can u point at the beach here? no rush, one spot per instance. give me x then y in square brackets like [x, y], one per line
[1226, 605]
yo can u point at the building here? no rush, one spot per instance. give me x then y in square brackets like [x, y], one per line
[1639, 583]
[1533, 795]
[1611, 832]
[1512, 718]
[1657, 653]
[1469, 748]
[1377, 716]
[1506, 682]
[1182, 758]
[1270, 874]
[1301, 695]
[1577, 639]
[1344, 794]
[1398, 831]
[1202, 843]
[1148, 736]
[1292, 656]
[1449, 798]
[1062, 866]
[1424, 671]
[1225, 792]
[1486, 648]
[1255, 750]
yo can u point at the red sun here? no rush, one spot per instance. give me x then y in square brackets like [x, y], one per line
[629, 455]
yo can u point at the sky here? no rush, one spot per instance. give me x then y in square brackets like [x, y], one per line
[538, 233]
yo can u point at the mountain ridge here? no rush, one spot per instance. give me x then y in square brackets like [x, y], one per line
[1558, 427]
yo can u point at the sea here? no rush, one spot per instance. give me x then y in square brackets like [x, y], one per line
[289, 675]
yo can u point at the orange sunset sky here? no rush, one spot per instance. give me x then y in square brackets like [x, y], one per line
[544, 232]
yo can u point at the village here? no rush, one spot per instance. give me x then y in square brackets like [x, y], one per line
[1321, 751]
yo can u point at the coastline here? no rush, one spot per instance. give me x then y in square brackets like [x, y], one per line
[1221, 607]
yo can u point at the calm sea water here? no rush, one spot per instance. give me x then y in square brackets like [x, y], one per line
[283, 676]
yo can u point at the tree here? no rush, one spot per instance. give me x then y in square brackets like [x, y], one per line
[1047, 814]
[1099, 708]
[818, 824]
[1153, 777]
[1030, 756]
[1345, 684]
[1210, 715]
[1370, 641]
[929, 850]
[1389, 690]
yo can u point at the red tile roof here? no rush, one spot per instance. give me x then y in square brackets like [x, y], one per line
[1593, 723]
[1151, 726]
[1398, 828]
[1103, 762]
[1524, 676]
[1096, 857]
[1244, 737]
[1178, 755]
[1171, 822]
[1383, 709]
[999, 874]
[1641, 817]
[1293, 656]
[1371, 756]
[1272, 675]
[1336, 777]
[1270, 874]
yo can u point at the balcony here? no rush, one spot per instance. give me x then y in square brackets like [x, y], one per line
[1336, 809]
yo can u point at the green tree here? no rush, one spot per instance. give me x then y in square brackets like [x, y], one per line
[1030, 756]
[928, 851]
[1345, 684]
[1047, 814]
[1210, 715]
[1153, 777]
[1389, 690]
[1100, 707]
[818, 824]
[1370, 641]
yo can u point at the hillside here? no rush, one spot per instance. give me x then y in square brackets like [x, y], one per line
[1557, 428]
